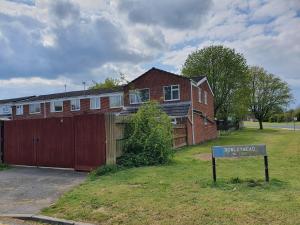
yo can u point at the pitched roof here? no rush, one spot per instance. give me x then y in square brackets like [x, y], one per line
[74, 94]
[198, 78]
[172, 109]
[13, 100]
[195, 79]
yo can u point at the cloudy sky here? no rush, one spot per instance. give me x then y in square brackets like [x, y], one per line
[45, 44]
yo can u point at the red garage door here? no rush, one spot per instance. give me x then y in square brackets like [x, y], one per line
[77, 142]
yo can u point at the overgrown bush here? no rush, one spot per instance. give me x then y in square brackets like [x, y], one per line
[148, 136]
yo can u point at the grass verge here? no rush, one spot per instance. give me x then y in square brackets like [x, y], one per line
[183, 192]
[3, 167]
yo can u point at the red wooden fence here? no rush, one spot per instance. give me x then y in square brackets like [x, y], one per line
[70, 142]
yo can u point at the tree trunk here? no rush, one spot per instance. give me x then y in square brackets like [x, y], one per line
[261, 124]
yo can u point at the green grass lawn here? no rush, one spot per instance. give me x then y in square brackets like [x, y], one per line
[183, 193]
[266, 124]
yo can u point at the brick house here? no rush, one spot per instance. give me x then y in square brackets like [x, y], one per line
[186, 101]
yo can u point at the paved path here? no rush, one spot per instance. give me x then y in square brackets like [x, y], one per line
[28, 190]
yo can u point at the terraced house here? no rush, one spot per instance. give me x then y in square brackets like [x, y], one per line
[186, 101]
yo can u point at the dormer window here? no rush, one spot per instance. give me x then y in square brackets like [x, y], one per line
[115, 101]
[19, 110]
[171, 93]
[57, 106]
[75, 104]
[95, 103]
[139, 96]
[34, 108]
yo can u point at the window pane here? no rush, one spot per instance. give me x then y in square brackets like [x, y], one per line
[115, 101]
[200, 95]
[35, 108]
[19, 110]
[75, 104]
[144, 95]
[132, 98]
[57, 106]
[175, 94]
[205, 97]
[95, 103]
[168, 93]
[139, 96]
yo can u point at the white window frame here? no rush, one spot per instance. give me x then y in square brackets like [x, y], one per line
[19, 110]
[93, 106]
[53, 106]
[34, 112]
[133, 92]
[72, 101]
[200, 95]
[172, 99]
[120, 99]
[205, 97]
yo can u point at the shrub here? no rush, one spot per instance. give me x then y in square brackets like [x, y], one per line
[148, 136]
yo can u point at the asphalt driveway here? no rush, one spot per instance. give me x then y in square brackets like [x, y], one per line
[28, 190]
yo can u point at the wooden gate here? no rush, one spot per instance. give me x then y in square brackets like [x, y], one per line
[69, 142]
[89, 141]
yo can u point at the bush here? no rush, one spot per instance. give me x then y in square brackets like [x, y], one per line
[148, 135]
[105, 170]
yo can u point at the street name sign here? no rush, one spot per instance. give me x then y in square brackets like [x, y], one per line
[236, 151]
[239, 151]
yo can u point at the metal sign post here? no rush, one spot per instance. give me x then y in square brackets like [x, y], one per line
[239, 151]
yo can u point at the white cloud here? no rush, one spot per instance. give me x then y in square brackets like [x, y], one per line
[266, 32]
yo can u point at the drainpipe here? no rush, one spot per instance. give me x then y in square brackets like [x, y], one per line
[193, 127]
[45, 116]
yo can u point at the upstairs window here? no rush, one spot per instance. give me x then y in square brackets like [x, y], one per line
[139, 96]
[200, 95]
[95, 103]
[57, 106]
[35, 108]
[172, 93]
[115, 101]
[5, 109]
[19, 110]
[205, 97]
[75, 104]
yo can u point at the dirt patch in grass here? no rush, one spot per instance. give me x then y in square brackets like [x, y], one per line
[203, 156]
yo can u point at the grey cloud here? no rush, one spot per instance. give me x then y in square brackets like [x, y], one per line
[64, 9]
[154, 39]
[176, 14]
[80, 46]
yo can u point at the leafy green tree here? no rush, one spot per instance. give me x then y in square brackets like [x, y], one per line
[227, 73]
[148, 136]
[109, 83]
[269, 94]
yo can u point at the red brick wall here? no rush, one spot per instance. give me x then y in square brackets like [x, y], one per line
[84, 109]
[204, 132]
[208, 108]
[155, 80]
